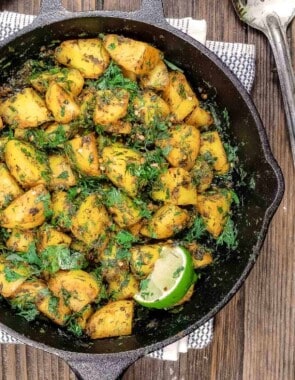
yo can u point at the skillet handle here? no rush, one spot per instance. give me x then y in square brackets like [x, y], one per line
[100, 368]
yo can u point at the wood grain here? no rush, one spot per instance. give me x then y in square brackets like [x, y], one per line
[255, 333]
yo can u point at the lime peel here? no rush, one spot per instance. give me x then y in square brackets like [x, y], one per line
[171, 278]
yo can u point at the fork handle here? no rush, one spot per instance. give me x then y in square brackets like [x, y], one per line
[276, 34]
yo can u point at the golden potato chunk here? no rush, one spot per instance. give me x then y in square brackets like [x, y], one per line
[167, 221]
[123, 287]
[112, 263]
[135, 56]
[202, 174]
[83, 154]
[86, 55]
[143, 258]
[26, 109]
[28, 292]
[27, 164]
[28, 210]
[111, 105]
[57, 131]
[62, 175]
[123, 209]
[214, 208]
[113, 319]
[11, 277]
[150, 107]
[20, 241]
[77, 288]
[118, 163]
[90, 221]
[61, 103]
[9, 188]
[69, 79]
[211, 145]
[3, 142]
[53, 308]
[180, 96]
[62, 209]
[49, 236]
[121, 127]
[181, 147]
[156, 79]
[175, 186]
[199, 118]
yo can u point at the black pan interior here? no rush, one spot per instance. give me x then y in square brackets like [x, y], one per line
[219, 282]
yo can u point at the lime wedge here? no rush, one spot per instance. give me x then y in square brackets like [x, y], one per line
[172, 276]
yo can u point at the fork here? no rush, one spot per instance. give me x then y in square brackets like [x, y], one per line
[272, 17]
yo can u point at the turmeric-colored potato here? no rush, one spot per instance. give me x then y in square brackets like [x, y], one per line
[28, 210]
[111, 105]
[3, 142]
[26, 109]
[77, 288]
[156, 79]
[56, 132]
[90, 220]
[49, 236]
[86, 55]
[19, 241]
[121, 127]
[181, 147]
[69, 79]
[113, 319]
[150, 107]
[211, 145]
[27, 164]
[123, 287]
[9, 188]
[61, 103]
[53, 308]
[62, 209]
[143, 258]
[180, 96]
[11, 277]
[118, 163]
[62, 175]
[28, 292]
[83, 154]
[83, 316]
[112, 262]
[202, 174]
[123, 209]
[129, 74]
[214, 207]
[175, 186]
[135, 56]
[199, 118]
[167, 221]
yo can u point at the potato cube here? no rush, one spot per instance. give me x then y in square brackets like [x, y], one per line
[111, 105]
[20, 241]
[150, 107]
[62, 175]
[211, 145]
[9, 188]
[143, 258]
[156, 79]
[199, 118]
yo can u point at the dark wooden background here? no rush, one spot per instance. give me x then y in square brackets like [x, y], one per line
[254, 335]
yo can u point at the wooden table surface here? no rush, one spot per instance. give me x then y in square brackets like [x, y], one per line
[254, 336]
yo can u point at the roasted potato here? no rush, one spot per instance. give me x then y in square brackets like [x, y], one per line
[3, 142]
[83, 316]
[11, 277]
[150, 107]
[62, 210]
[111, 106]
[180, 96]
[69, 79]
[175, 186]
[214, 208]
[29, 292]
[167, 221]
[211, 145]
[90, 220]
[28, 210]
[86, 55]
[202, 174]
[113, 319]
[135, 56]
[76, 287]
[181, 147]
[20, 241]
[62, 175]
[26, 109]
[53, 307]
[199, 118]
[27, 164]
[143, 258]
[123, 287]
[157, 79]
[9, 188]
[49, 236]
[118, 163]
[83, 155]
[61, 103]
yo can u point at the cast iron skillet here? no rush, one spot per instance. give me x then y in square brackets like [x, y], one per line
[107, 358]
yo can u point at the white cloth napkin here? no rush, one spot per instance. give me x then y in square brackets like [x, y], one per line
[240, 58]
